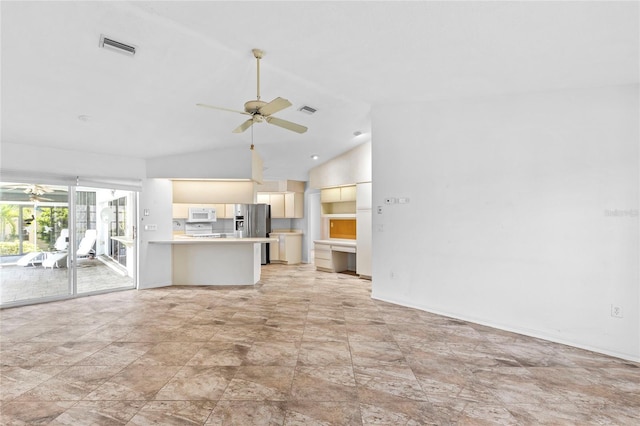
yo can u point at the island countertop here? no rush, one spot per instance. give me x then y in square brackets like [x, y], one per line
[181, 240]
[214, 260]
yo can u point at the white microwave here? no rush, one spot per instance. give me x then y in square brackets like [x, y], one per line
[201, 214]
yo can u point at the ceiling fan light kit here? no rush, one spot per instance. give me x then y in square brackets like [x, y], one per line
[261, 111]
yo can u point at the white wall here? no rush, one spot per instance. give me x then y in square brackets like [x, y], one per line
[522, 213]
[154, 262]
[19, 157]
[228, 163]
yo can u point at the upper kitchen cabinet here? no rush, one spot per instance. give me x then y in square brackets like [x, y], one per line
[289, 205]
[294, 205]
[213, 192]
[285, 197]
[277, 205]
[223, 211]
[338, 195]
[338, 200]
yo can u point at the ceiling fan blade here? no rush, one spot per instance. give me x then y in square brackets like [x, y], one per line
[244, 126]
[286, 124]
[274, 106]
[223, 109]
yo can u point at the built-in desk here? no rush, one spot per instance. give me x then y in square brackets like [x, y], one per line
[333, 255]
[215, 261]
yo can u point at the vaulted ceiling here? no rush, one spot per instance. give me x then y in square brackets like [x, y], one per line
[59, 89]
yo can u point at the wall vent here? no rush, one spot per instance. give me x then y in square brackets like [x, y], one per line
[307, 110]
[111, 44]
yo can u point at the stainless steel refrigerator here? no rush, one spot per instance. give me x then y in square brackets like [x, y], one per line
[253, 221]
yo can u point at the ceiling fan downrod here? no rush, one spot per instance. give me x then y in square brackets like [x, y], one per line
[258, 55]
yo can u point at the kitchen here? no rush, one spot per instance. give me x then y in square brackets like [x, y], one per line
[301, 219]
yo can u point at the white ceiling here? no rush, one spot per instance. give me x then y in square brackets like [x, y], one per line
[338, 57]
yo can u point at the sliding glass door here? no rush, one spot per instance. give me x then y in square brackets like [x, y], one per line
[58, 242]
[106, 250]
[34, 232]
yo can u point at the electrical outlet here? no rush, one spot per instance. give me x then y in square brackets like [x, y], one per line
[390, 200]
[616, 311]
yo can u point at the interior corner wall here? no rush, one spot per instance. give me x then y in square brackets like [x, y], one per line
[522, 213]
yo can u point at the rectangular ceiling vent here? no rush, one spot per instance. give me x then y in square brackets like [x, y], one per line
[307, 110]
[111, 44]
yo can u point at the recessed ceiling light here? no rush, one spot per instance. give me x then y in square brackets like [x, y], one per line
[314, 157]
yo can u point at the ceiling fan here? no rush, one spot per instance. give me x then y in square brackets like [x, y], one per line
[35, 192]
[262, 111]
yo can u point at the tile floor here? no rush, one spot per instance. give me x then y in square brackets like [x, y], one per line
[23, 283]
[300, 348]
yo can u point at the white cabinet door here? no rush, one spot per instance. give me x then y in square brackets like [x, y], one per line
[293, 249]
[323, 260]
[229, 211]
[363, 196]
[263, 198]
[274, 249]
[277, 205]
[294, 205]
[180, 210]
[348, 193]
[363, 242]
[330, 195]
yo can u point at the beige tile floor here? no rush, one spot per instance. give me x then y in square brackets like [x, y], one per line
[300, 348]
[26, 283]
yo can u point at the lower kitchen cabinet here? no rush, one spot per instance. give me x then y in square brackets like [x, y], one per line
[288, 249]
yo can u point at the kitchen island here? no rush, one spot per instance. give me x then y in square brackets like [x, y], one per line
[215, 261]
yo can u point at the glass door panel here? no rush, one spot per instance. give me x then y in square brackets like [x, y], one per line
[105, 256]
[34, 240]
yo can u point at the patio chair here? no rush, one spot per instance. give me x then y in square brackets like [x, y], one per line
[85, 248]
[31, 259]
[37, 257]
[54, 259]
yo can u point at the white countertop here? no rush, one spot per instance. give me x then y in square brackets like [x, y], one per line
[338, 242]
[286, 232]
[177, 239]
[127, 241]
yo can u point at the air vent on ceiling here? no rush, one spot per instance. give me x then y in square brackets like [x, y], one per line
[307, 109]
[111, 44]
